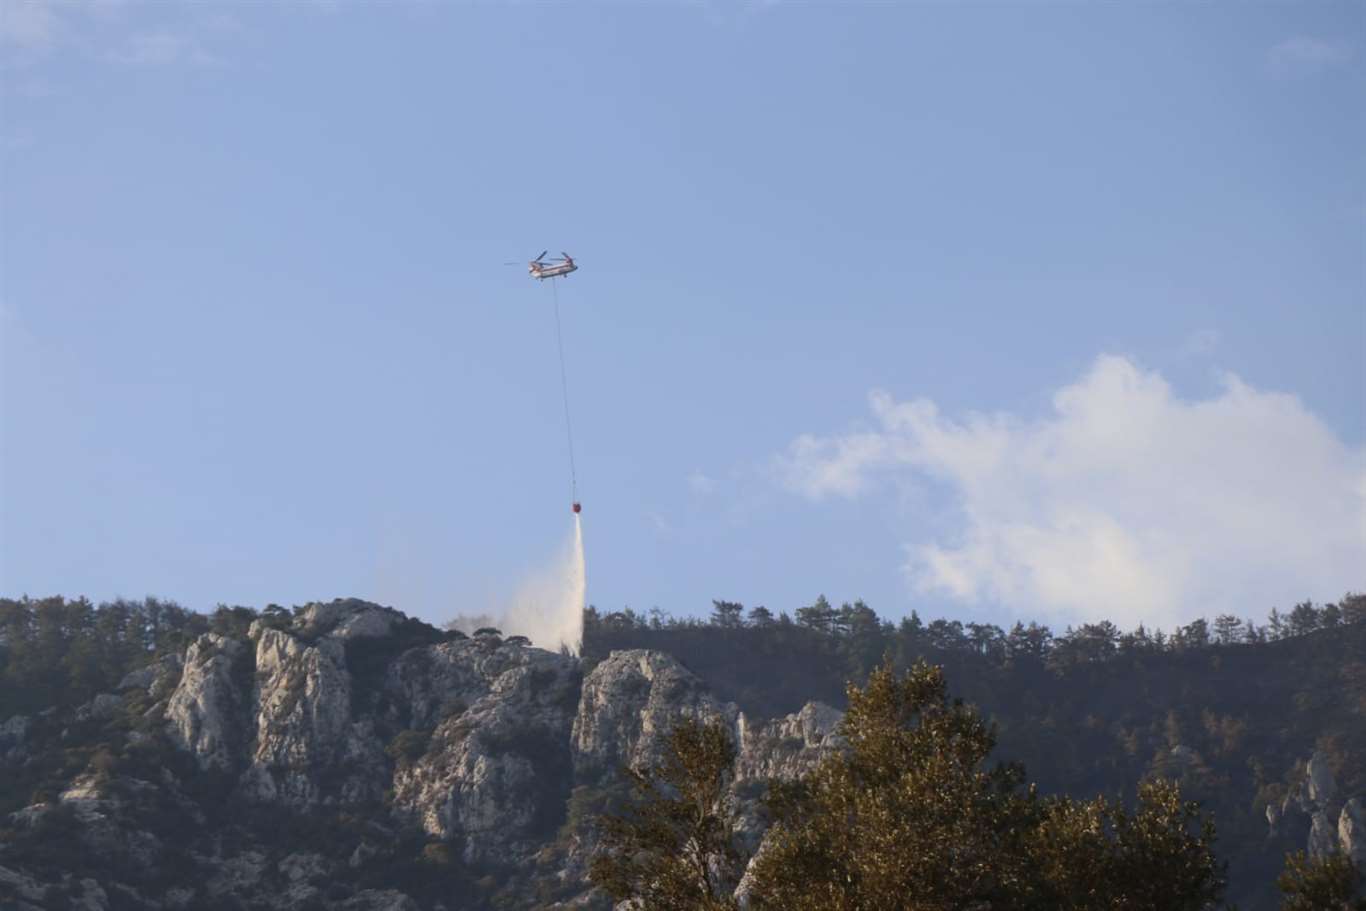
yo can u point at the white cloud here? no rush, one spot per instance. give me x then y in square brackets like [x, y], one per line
[1307, 55]
[1126, 501]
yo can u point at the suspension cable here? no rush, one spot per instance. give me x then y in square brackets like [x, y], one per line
[564, 388]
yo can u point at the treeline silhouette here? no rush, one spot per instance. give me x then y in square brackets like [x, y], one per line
[766, 655]
[60, 652]
[57, 652]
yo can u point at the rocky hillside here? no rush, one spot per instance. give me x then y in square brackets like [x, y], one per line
[344, 756]
[351, 758]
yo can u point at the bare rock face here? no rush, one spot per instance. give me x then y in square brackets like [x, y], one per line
[204, 713]
[495, 773]
[629, 704]
[785, 749]
[1352, 832]
[303, 710]
[302, 702]
[1314, 810]
[1322, 835]
[426, 686]
[1320, 789]
[345, 619]
[1316, 791]
[788, 747]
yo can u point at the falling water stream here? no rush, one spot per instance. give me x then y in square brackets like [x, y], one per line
[548, 606]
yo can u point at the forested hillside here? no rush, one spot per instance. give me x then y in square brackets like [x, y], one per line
[1231, 708]
[398, 753]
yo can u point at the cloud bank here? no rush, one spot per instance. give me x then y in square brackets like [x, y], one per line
[1125, 502]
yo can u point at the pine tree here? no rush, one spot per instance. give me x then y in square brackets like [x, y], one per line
[911, 817]
[673, 850]
[1319, 884]
[906, 818]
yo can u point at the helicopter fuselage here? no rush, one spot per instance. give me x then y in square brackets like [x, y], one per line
[551, 270]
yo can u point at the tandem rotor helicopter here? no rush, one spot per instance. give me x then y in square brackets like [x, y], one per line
[541, 269]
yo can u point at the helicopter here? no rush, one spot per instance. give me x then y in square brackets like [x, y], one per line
[541, 270]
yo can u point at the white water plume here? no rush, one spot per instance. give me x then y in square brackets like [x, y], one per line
[547, 607]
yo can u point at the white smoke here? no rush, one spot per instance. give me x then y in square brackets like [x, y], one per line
[547, 606]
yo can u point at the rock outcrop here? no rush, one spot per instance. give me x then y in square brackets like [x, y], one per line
[784, 749]
[630, 702]
[788, 747]
[205, 713]
[1314, 814]
[394, 741]
[495, 771]
[1352, 832]
[302, 707]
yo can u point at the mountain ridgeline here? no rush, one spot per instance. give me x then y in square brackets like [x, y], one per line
[343, 756]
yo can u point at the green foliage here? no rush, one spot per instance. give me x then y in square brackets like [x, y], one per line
[1320, 884]
[1086, 710]
[1095, 854]
[587, 803]
[232, 621]
[911, 817]
[908, 817]
[756, 661]
[672, 850]
[60, 653]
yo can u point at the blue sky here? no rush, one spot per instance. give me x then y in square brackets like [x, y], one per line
[991, 311]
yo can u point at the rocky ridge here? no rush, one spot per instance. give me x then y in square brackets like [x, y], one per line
[445, 759]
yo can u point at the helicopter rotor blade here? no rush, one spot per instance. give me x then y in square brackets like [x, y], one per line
[541, 257]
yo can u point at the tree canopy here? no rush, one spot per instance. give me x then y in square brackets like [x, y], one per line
[910, 816]
[673, 850]
[1320, 884]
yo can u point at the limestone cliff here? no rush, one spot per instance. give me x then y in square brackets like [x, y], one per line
[293, 765]
[1315, 814]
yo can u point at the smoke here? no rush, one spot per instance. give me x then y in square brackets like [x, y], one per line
[547, 606]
